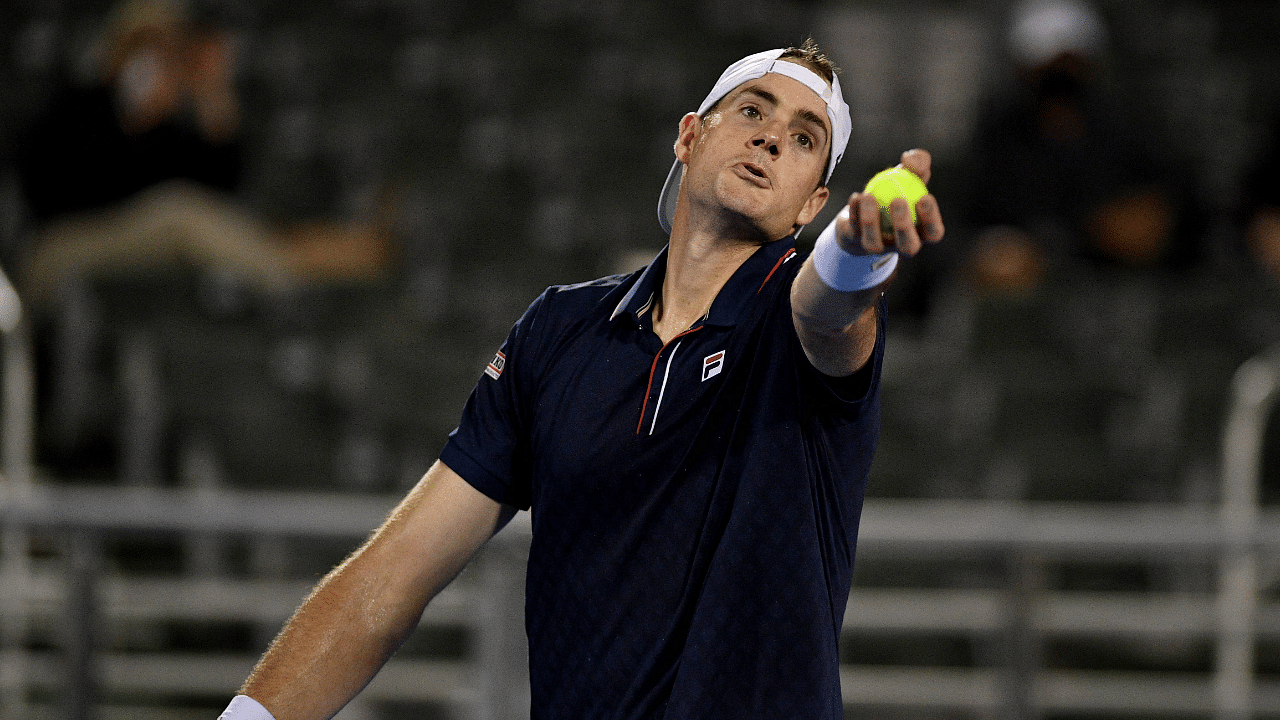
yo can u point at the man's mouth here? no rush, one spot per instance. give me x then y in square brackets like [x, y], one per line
[753, 173]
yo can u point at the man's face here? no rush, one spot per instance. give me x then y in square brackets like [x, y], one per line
[757, 158]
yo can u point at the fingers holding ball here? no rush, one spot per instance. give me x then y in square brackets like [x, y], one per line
[895, 210]
[919, 162]
[896, 192]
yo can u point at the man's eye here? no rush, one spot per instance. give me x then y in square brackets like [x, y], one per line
[751, 112]
[804, 140]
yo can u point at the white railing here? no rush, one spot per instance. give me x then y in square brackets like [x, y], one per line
[487, 600]
[490, 684]
[17, 425]
[903, 529]
[1254, 392]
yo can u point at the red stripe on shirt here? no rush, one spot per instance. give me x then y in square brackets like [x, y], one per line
[652, 368]
[776, 265]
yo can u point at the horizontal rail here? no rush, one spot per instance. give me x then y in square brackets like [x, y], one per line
[893, 527]
[1055, 690]
[182, 510]
[1103, 614]
[907, 610]
[207, 599]
[1118, 531]
[403, 679]
[889, 527]
[450, 682]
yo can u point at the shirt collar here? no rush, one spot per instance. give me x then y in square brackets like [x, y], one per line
[746, 281]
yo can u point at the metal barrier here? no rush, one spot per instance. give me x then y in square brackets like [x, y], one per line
[1254, 392]
[492, 687]
[17, 425]
[488, 599]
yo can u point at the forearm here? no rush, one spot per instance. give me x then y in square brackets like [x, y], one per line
[822, 308]
[361, 612]
[833, 302]
[334, 644]
[837, 329]
[833, 298]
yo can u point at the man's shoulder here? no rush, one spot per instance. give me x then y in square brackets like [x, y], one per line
[599, 286]
[564, 311]
[579, 299]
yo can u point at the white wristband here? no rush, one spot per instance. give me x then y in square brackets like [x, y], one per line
[243, 707]
[846, 272]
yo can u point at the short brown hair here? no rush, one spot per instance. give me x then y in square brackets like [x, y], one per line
[810, 54]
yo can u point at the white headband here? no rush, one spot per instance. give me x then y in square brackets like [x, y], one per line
[750, 68]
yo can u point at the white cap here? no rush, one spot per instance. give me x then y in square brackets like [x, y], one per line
[750, 68]
[1043, 29]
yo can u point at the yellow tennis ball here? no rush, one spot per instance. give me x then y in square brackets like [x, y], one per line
[896, 182]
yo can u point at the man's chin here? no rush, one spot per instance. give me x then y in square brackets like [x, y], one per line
[750, 228]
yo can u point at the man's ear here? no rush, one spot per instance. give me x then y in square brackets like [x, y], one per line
[813, 205]
[690, 129]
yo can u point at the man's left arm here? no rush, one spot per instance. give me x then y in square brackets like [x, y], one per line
[837, 327]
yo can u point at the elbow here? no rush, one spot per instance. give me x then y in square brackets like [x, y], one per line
[820, 325]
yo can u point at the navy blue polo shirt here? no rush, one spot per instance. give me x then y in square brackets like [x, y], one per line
[695, 505]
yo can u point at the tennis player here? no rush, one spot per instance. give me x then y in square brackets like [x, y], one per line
[692, 439]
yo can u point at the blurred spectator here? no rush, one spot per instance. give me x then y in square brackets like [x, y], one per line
[135, 173]
[1062, 176]
[165, 108]
[138, 170]
[1262, 207]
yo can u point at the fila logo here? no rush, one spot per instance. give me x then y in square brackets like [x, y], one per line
[712, 365]
[494, 368]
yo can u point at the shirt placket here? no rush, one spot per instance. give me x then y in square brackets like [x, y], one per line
[659, 380]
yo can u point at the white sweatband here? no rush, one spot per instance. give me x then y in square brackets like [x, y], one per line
[843, 271]
[243, 707]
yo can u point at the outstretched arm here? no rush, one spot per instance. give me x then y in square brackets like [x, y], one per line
[837, 327]
[358, 616]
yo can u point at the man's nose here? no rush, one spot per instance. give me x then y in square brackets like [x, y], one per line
[769, 139]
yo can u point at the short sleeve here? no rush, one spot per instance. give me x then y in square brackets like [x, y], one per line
[490, 447]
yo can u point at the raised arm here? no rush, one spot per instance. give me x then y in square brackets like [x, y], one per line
[838, 327]
[360, 613]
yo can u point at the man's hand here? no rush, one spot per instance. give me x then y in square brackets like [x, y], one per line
[837, 328]
[858, 223]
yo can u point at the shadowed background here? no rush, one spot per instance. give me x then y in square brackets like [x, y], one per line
[428, 167]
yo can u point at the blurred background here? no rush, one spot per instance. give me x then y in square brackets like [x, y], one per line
[263, 251]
